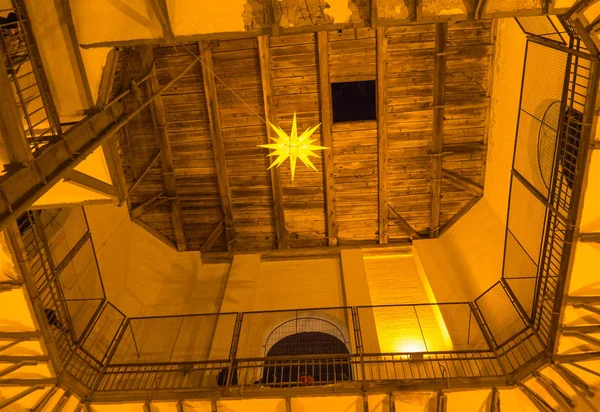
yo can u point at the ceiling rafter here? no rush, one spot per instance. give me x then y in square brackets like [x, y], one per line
[327, 136]
[214, 236]
[267, 91]
[210, 91]
[166, 162]
[382, 148]
[91, 183]
[147, 205]
[439, 98]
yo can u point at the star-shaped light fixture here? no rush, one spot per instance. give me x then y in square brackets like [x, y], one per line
[293, 147]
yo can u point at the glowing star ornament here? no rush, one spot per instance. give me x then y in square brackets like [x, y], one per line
[293, 146]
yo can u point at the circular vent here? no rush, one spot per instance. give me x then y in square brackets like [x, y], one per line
[547, 138]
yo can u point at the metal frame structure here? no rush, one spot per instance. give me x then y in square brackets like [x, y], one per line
[87, 363]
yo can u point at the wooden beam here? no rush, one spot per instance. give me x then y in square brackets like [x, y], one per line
[577, 384]
[582, 336]
[374, 15]
[147, 205]
[581, 329]
[382, 141]
[403, 224]
[23, 187]
[459, 215]
[579, 6]
[166, 163]
[276, 13]
[463, 182]
[574, 300]
[162, 13]
[43, 401]
[589, 237]
[144, 172]
[91, 183]
[327, 137]
[576, 357]
[480, 9]
[494, 400]
[264, 56]
[157, 234]
[439, 98]
[555, 392]
[536, 399]
[589, 308]
[60, 405]
[213, 237]
[4, 403]
[210, 90]
[64, 15]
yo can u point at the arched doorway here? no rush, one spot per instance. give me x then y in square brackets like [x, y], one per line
[289, 361]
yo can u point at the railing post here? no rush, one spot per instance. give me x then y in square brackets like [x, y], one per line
[359, 343]
[108, 358]
[233, 351]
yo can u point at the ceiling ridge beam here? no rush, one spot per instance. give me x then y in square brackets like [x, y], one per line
[382, 141]
[166, 162]
[403, 224]
[212, 103]
[264, 55]
[91, 183]
[327, 137]
[439, 99]
[463, 182]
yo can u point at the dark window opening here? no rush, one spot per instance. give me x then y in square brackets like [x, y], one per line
[290, 365]
[354, 101]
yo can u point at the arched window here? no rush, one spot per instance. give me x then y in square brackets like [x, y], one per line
[290, 345]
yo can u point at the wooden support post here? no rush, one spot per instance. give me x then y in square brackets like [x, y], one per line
[210, 90]
[578, 6]
[179, 406]
[288, 405]
[536, 399]
[19, 335]
[166, 164]
[573, 380]
[16, 366]
[439, 99]
[147, 407]
[264, 56]
[382, 140]
[480, 9]
[576, 357]
[441, 402]
[327, 137]
[162, 13]
[463, 183]
[494, 400]
[374, 15]
[91, 183]
[581, 329]
[60, 405]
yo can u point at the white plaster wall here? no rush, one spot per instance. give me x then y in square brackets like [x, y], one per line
[394, 280]
[467, 259]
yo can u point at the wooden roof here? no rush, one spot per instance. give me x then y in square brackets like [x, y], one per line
[198, 180]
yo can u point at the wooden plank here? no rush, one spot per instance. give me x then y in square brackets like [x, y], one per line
[267, 89]
[439, 92]
[213, 237]
[91, 183]
[162, 13]
[210, 91]
[327, 137]
[382, 147]
[166, 163]
[403, 224]
[463, 182]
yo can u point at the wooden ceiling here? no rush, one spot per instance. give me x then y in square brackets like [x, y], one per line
[197, 179]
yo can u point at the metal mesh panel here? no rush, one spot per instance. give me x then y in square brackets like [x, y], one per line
[517, 263]
[526, 219]
[80, 278]
[81, 313]
[543, 83]
[419, 328]
[261, 329]
[103, 333]
[524, 290]
[500, 315]
[63, 229]
[176, 339]
[542, 26]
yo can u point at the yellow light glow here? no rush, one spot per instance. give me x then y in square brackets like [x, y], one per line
[293, 147]
[405, 346]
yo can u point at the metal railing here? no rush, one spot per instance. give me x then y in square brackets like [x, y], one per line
[463, 344]
[24, 68]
